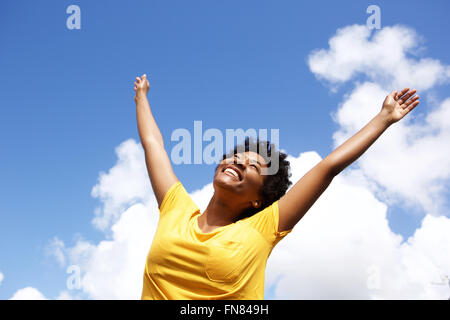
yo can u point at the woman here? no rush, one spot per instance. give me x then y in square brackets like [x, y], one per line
[222, 252]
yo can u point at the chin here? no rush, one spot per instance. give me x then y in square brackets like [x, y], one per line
[223, 181]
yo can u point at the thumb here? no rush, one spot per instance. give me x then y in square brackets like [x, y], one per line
[395, 94]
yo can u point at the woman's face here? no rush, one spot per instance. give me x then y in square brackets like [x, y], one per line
[240, 176]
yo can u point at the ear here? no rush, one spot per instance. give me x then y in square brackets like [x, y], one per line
[256, 204]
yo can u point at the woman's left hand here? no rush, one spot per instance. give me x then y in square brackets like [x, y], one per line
[399, 104]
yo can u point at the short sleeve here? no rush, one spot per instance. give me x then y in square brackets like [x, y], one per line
[175, 198]
[266, 223]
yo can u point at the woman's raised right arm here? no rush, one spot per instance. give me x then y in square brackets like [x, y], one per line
[158, 163]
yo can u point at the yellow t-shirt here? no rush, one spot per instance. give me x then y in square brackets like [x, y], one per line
[227, 263]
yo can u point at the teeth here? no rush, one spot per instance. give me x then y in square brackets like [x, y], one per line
[232, 172]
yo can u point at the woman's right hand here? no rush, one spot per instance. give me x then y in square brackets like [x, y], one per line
[141, 87]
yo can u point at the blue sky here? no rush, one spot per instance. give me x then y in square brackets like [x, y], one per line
[66, 98]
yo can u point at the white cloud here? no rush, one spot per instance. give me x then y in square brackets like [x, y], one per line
[388, 56]
[385, 57]
[344, 242]
[1, 277]
[410, 162]
[126, 183]
[55, 248]
[28, 293]
[113, 269]
[64, 295]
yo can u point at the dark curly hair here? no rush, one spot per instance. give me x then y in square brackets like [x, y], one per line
[276, 185]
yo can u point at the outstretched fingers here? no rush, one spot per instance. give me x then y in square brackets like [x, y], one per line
[410, 101]
[411, 104]
[401, 93]
[404, 97]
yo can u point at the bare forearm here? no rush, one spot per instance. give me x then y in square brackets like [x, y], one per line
[147, 127]
[354, 147]
[157, 161]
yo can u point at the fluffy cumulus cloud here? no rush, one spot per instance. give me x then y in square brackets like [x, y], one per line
[387, 60]
[116, 190]
[343, 248]
[28, 293]
[1, 277]
[113, 268]
[387, 56]
[410, 162]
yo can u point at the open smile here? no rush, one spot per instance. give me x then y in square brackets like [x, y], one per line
[233, 172]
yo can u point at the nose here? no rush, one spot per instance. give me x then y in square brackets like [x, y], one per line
[241, 166]
[242, 162]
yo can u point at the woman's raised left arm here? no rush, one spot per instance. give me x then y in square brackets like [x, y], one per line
[300, 198]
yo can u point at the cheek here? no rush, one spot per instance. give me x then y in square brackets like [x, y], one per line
[255, 181]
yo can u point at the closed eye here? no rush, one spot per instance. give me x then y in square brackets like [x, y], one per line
[258, 169]
[255, 166]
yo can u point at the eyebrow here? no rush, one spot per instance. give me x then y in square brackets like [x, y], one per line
[251, 160]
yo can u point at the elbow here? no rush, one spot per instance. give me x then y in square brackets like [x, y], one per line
[151, 143]
[329, 168]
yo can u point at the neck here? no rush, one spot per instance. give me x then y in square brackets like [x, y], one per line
[220, 212]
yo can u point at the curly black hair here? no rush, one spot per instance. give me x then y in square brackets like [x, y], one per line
[276, 185]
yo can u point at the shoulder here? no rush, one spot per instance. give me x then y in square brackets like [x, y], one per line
[266, 223]
[176, 198]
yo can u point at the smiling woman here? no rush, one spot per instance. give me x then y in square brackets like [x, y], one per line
[255, 157]
[222, 252]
